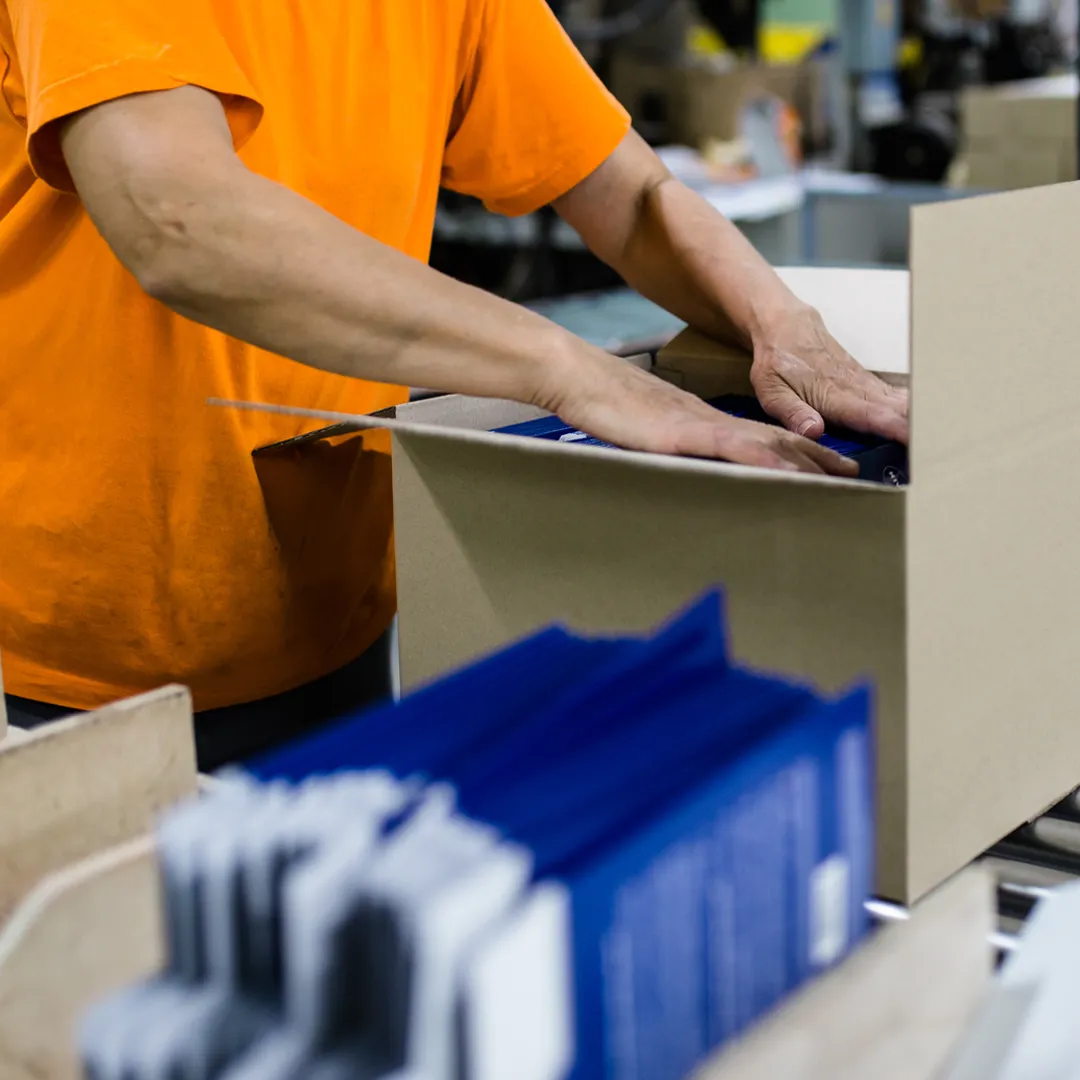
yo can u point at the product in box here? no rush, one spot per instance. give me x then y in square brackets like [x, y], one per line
[880, 460]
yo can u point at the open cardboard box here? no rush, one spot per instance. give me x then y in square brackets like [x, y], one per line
[959, 595]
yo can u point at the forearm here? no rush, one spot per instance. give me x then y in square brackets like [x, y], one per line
[673, 247]
[687, 257]
[237, 252]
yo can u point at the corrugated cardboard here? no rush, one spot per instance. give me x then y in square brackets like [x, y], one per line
[1018, 164]
[1033, 109]
[1019, 135]
[700, 102]
[75, 787]
[81, 934]
[959, 595]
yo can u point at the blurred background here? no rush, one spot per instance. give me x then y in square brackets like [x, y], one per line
[813, 124]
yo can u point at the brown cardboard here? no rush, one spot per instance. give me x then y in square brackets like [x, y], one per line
[79, 786]
[979, 9]
[894, 1010]
[1033, 109]
[959, 595]
[702, 102]
[83, 933]
[1017, 164]
[1019, 135]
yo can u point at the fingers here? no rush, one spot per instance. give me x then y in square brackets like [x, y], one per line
[829, 460]
[783, 404]
[746, 443]
[808, 456]
[871, 406]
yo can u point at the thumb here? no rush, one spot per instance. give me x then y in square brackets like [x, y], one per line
[783, 404]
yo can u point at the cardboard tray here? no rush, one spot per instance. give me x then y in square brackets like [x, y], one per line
[958, 596]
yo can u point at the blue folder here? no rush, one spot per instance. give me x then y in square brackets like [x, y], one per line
[712, 824]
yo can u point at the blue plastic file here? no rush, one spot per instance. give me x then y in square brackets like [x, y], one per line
[446, 719]
[691, 927]
[712, 824]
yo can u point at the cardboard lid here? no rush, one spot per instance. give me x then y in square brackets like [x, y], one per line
[867, 311]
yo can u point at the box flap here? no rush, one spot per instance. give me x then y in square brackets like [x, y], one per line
[866, 310]
[76, 786]
[445, 430]
[82, 933]
[993, 575]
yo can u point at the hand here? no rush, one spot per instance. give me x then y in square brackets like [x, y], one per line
[621, 404]
[803, 377]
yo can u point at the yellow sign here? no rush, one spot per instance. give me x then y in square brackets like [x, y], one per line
[781, 43]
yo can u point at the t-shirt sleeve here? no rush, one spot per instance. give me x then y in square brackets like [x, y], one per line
[533, 120]
[73, 54]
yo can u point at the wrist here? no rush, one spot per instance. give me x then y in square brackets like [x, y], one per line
[555, 367]
[775, 318]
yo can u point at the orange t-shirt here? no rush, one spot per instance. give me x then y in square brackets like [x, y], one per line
[140, 541]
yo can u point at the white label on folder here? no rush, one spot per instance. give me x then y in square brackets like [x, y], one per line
[830, 885]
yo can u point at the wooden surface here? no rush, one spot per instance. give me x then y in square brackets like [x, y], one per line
[895, 1010]
[81, 934]
[71, 789]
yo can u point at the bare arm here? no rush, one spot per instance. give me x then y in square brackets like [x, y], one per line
[676, 249]
[237, 252]
[673, 247]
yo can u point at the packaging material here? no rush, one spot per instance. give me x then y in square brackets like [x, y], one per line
[516, 872]
[1019, 135]
[958, 594]
[78, 786]
[701, 102]
[880, 460]
[78, 890]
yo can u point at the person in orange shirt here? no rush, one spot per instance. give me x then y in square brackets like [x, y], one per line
[219, 198]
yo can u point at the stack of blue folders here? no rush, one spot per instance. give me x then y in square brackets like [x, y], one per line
[879, 460]
[594, 857]
[713, 825]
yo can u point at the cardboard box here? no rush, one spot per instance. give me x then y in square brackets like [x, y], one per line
[1033, 109]
[1019, 164]
[1019, 135]
[958, 595]
[702, 102]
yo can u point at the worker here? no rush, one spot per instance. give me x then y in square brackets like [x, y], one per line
[219, 198]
